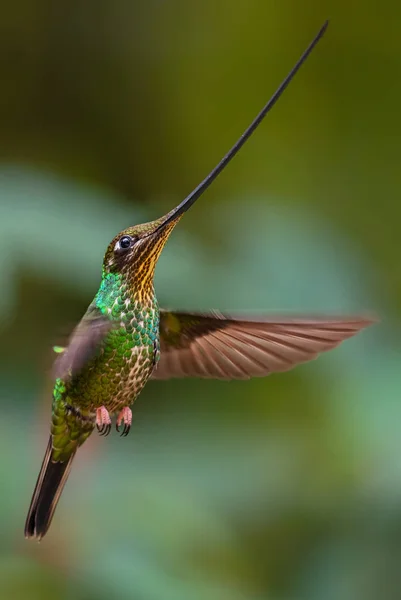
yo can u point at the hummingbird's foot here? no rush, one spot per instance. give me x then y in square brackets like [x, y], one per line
[103, 421]
[125, 416]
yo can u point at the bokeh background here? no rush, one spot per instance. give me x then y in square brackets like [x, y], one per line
[111, 111]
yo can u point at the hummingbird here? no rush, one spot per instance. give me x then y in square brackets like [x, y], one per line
[124, 339]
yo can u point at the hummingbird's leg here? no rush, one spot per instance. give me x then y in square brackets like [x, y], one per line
[103, 421]
[124, 416]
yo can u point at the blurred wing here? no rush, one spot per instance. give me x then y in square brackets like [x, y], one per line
[219, 347]
[83, 345]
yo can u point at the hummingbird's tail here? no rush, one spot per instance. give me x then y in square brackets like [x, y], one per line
[50, 484]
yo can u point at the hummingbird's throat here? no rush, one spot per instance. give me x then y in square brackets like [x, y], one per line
[141, 268]
[119, 295]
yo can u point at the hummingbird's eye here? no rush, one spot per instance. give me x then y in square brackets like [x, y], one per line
[125, 242]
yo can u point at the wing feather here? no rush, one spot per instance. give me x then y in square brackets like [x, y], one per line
[83, 345]
[222, 347]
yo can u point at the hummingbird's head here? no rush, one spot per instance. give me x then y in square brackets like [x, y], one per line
[135, 251]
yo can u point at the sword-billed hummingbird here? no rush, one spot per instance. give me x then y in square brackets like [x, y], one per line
[124, 339]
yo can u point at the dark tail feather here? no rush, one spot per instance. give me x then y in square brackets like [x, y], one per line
[50, 484]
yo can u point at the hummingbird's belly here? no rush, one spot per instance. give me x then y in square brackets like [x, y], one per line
[133, 377]
[117, 375]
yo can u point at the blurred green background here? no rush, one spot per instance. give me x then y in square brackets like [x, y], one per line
[285, 488]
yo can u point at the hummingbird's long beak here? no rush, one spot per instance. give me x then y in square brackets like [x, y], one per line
[174, 215]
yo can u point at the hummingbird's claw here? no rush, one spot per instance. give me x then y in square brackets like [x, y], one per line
[103, 421]
[125, 417]
[105, 429]
[125, 431]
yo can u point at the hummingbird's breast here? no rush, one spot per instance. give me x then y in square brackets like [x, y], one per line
[133, 351]
[126, 359]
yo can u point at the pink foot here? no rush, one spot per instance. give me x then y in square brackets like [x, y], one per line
[103, 421]
[125, 416]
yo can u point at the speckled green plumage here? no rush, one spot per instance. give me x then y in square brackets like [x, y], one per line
[115, 376]
[67, 430]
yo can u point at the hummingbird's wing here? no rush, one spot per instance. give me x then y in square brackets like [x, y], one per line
[219, 347]
[83, 344]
